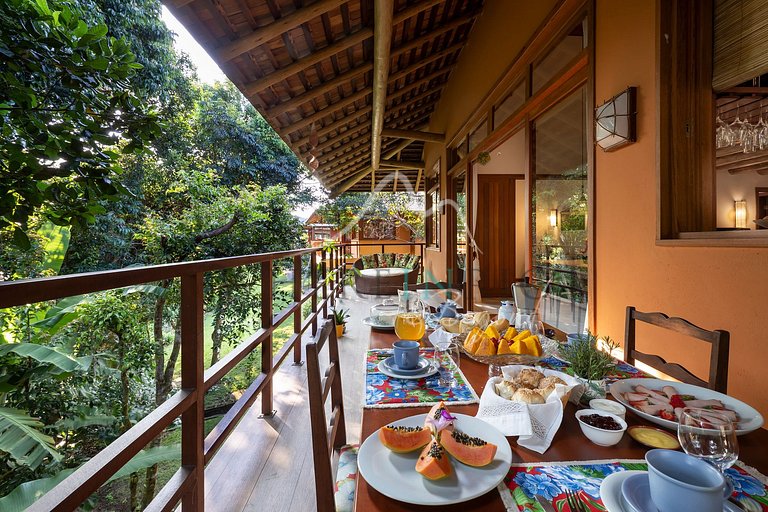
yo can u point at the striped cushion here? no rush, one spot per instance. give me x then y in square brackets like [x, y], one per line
[346, 475]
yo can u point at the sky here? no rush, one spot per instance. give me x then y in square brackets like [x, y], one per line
[209, 72]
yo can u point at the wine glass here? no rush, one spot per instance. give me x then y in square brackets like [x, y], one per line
[711, 436]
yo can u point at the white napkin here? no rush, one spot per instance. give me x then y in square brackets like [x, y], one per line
[439, 335]
[536, 425]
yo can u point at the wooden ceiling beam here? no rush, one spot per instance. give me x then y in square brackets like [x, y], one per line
[430, 36]
[741, 158]
[343, 153]
[421, 63]
[352, 132]
[415, 135]
[335, 125]
[330, 109]
[316, 92]
[339, 46]
[396, 164]
[275, 29]
[382, 42]
[418, 83]
[338, 174]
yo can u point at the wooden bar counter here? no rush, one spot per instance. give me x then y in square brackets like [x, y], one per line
[569, 443]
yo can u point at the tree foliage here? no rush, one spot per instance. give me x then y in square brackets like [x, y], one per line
[65, 107]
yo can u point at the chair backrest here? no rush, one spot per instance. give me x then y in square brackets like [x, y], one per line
[322, 385]
[718, 359]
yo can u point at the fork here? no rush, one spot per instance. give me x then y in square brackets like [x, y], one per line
[574, 503]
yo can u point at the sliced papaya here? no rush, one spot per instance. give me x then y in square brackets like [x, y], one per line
[433, 462]
[401, 439]
[472, 451]
[473, 340]
[532, 346]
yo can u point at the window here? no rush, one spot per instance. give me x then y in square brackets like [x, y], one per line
[433, 208]
[509, 105]
[478, 134]
[558, 57]
[718, 118]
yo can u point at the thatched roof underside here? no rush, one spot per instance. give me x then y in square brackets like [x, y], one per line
[308, 68]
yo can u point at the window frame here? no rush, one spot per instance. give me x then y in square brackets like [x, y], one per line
[432, 226]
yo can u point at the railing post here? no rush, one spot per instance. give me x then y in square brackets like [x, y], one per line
[192, 427]
[332, 272]
[298, 315]
[313, 284]
[324, 275]
[266, 346]
[421, 261]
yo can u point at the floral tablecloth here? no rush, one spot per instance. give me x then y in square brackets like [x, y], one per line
[384, 391]
[549, 481]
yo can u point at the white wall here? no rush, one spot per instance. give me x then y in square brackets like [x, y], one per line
[737, 187]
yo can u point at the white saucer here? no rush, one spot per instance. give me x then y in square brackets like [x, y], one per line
[610, 490]
[369, 322]
[426, 372]
[629, 491]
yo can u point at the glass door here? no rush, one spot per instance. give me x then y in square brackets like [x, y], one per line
[559, 221]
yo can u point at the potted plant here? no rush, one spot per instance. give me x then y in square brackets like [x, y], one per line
[590, 365]
[340, 319]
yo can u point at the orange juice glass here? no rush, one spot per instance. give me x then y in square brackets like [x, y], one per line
[409, 326]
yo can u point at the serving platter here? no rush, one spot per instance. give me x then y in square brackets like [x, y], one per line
[370, 322]
[394, 474]
[749, 418]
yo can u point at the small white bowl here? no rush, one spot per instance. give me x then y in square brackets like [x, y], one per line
[610, 406]
[599, 436]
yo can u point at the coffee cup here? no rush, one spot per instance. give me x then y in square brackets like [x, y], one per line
[406, 354]
[679, 481]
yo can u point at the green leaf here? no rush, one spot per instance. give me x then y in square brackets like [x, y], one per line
[19, 437]
[21, 240]
[99, 30]
[100, 420]
[49, 355]
[151, 289]
[56, 246]
[63, 312]
[27, 493]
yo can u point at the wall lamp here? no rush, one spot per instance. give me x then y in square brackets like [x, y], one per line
[553, 217]
[740, 207]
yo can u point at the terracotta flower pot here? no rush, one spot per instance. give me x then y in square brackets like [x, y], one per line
[339, 330]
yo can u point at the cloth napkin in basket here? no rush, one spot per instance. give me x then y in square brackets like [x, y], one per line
[536, 425]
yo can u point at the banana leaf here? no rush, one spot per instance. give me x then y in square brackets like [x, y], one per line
[45, 354]
[87, 421]
[28, 492]
[19, 436]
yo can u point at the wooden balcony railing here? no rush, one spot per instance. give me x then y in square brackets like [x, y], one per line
[187, 484]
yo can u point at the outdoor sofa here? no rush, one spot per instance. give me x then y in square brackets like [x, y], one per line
[385, 273]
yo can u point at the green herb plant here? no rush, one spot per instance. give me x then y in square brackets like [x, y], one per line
[340, 316]
[587, 360]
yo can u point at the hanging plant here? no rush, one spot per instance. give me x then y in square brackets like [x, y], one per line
[483, 157]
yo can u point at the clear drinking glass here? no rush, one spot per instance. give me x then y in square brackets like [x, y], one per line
[447, 355]
[710, 436]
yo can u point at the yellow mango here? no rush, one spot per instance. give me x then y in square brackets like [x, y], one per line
[511, 333]
[532, 346]
[473, 340]
[492, 332]
[516, 347]
[503, 347]
[486, 347]
[522, 335]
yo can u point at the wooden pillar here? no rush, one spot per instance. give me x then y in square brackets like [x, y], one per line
[266, 345]
[192, 426]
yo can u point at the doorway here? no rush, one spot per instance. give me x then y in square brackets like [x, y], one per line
[495, 235]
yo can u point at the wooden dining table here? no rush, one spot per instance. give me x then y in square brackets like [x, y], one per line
[569, 444]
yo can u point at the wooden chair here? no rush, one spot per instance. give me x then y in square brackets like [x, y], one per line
[335, 490]
[718, 359]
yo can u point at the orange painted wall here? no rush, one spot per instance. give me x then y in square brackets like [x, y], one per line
[716, 288]
[497, 37]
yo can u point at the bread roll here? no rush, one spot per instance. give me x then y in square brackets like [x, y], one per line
[506, 389]
[501, 324]
[527, 396]
[482, 319]
[545, 391]
[529, 378]
[551, 381]
[451, 325]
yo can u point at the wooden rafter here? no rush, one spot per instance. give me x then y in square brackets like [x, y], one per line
[331, 109]
[382, 41]
[414, 134]
[275, 29]
[397, 164]
[340, 123]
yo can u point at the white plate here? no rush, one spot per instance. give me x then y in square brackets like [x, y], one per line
[369, 322]
[394, 474]
[610, 490]
[386, 370]
[749, 418]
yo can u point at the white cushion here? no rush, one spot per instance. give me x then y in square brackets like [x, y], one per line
[346, 477]
[384, 272]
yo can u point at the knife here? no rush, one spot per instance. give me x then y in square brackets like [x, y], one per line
[545, 504]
